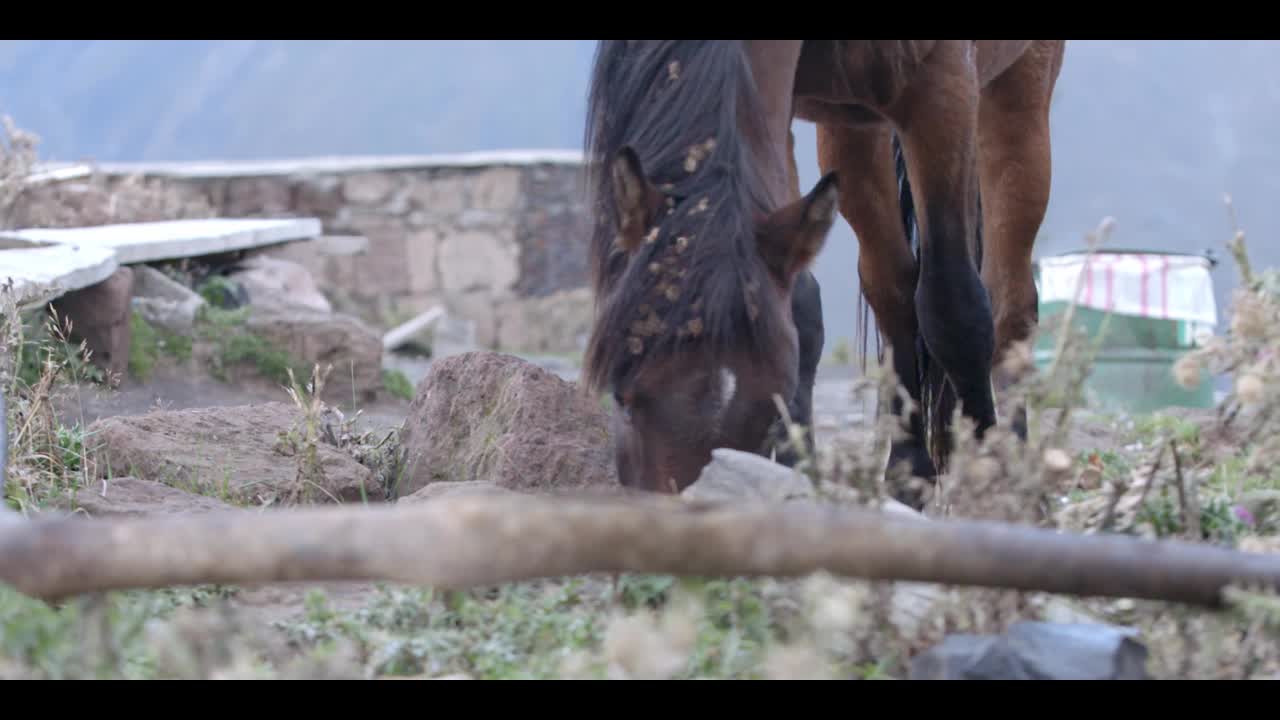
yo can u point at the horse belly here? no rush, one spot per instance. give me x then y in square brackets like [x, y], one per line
[866, 73]
[837, 114]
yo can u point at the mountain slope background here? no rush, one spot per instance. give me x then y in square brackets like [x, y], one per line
[1151, 132]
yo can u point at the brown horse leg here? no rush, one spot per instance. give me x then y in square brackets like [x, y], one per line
[938, 117]
[1014, 169]
[869, 202]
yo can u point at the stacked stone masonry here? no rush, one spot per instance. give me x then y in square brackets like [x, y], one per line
[501, 243]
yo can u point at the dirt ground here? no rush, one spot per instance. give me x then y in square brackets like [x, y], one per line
[837, 412]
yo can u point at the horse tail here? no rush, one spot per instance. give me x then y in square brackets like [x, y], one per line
[938, 399]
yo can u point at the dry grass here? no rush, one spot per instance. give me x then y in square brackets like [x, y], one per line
[320, 422]
[46, 460]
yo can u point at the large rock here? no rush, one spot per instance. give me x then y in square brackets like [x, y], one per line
[492, 417]
[235, 453]
[163, 301]
[132, 497]
[735, 476]
[99, 316]
[1037, 651]
[309, 337]
[280, 284]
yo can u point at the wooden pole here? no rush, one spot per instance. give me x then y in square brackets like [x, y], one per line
[468, 541]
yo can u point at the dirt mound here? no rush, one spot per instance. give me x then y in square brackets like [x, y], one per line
[484, 416]
[243, 454]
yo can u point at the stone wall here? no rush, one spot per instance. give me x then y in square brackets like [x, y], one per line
[497, 238]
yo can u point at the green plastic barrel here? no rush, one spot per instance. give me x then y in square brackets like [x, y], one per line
[1133, 368]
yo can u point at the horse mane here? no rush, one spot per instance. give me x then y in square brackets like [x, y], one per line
[689, 109]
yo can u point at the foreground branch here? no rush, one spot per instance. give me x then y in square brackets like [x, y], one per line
[467, 541]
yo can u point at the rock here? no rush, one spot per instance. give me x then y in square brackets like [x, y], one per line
[441, 489]
[250, 196]
[453, 335]
[736, 476]
[1037, 651]
[475, 219]
[556, 323]
[440, 195]
[478, 260]
[309, 337]
[318, 196]
[484, 416]
[384, 269]
[336, 245]
[232, 452]
[163, 301]
[367, 188]
[496, 189]
[130, 496]
[399, 203]
[99, 316]
[477, 313]
[421, 248]
[282, 284]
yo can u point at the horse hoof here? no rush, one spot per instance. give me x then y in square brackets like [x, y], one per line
[1020, 424]
[909, 474]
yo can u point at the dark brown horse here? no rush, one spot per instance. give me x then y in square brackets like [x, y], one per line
[702, 241]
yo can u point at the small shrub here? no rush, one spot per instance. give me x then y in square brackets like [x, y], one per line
[220, 292]
[397, 383]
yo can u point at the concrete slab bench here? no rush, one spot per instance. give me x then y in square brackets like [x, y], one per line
[174, 239]
[41, 272]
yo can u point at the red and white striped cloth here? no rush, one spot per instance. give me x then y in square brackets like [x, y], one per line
[1175, 287]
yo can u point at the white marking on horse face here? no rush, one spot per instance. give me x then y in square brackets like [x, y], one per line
[728, 386]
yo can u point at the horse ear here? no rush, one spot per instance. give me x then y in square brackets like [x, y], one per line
[637, 199]
[793, 235]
